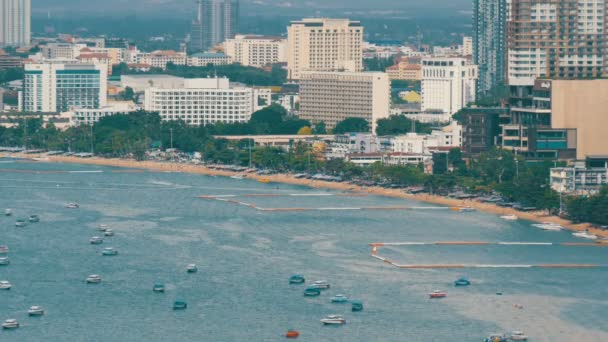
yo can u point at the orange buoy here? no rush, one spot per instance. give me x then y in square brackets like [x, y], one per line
[292, 334]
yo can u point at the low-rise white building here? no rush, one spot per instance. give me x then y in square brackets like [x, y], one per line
[139, 83]
[85, 116]
[61, 50]
[160, 59]
[206, 101]
[205, 58]
[256, 50]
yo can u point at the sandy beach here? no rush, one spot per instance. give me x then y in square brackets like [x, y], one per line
[289, 179]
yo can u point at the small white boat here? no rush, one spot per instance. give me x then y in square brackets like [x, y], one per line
[5, 285]
[438, 294]
[72, 205]
[466, 209]
[191, 268]
[8, 212]
[34, 218]
[585, 235]
[108, 232]
[94, 279]
[548, 226]
[103, 227]
[4, 261]
[321, 284]
[10, 324]
[339, 298]
[237, 177]
[510, 217]
[3, 249]
[96, 240]
[109, 251]
[517, 336]
[333, 320]
[20, 223]
[35, 311]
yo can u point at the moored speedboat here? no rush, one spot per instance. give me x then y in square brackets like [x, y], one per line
[297, 279]
[357, 306]
[585, 235]
[34, 218]
[510, 217]
[462, 282]
[3, 249]
[339, 298]
[96, 240]
[191, 268]
[8, 212]
[20, 223]
[312, 292]
[108, 232]
[94, 279]
[158, 287]
[109, 251]
[333, 320]
[465, 209]
[496, 338]
[4, 261]
[548, 226]
[103, 227]
[180, 305]
[72, 205]
[237, 177]
[292, 333]
[10, 324]
[35, 311]
[5, 285]
[321, 284]
[438, 294]
[518, 336]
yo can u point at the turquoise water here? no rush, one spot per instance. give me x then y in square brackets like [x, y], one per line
[245, 257]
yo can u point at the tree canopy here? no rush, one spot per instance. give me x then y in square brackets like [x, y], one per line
[350, 125]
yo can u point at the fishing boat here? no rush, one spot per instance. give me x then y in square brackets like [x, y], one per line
[496, 338]
[462, 282]
[517, 336]
[34, 218]
[312, 292]
[72, 205]
[510, 217]
[96, 240]
[3, 249]
[20, 223]
[180, 305]
[8, 212]
[158, 287]
[339, 298]
[10, 324]
[548, 226]
[191, 268]
[4, 261]
[333, 320]
[292, 333]
[5, 285]
[438, 294]
[585, 235]
[94, 279]
[108, 232]
[297, 279]
[321, 284]
[109, 251]
[357, 306]
[35, 310]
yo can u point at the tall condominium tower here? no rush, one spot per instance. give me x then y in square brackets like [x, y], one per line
[556, 39]
[217, 21]
[324, 45]
[14, 22]
[490, 43]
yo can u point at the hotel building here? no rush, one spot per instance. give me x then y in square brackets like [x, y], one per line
[256, 51]
[448, 84]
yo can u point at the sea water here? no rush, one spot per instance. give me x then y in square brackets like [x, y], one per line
[245, 257]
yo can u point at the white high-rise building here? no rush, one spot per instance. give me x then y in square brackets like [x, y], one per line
[324, 45]
[206, 101]
[256, 51]
[448, 84]
[331, 97]
[55, 86]
[15, 23]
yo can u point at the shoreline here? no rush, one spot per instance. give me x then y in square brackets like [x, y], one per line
[289, 179]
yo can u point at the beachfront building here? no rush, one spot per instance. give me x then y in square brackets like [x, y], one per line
[331, 97]
[256, 50]
[58, 86]
[324, 45]
[582, 178]
[448, 84]
[90, 116]
[206, 101]
[139, 83]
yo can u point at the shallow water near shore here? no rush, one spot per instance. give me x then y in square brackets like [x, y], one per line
[245, 257]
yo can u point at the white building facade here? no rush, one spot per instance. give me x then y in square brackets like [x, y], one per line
[331, 97]
[256, 51]
[206, 101]
[324, 45]
[15, 23]
[448, 84]
[205, 58]
[85, 116]
[58, 87]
